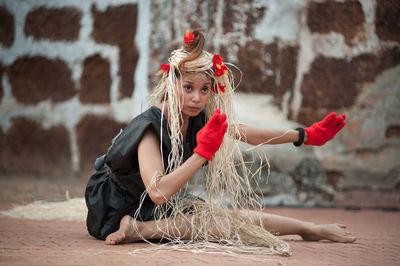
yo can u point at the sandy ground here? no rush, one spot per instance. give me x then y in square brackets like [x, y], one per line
[32, 242]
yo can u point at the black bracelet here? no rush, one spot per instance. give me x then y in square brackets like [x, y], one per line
[301, 137]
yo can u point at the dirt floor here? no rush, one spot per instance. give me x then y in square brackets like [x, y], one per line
[31, 242]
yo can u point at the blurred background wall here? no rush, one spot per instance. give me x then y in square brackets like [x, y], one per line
[74, 72]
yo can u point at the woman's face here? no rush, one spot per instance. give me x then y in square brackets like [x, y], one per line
[196, 91]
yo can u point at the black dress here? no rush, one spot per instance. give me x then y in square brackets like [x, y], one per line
[115, 189]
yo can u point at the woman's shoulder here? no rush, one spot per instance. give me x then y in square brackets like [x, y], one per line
[153, 113]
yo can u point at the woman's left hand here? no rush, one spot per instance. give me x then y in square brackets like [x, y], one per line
[325, 130]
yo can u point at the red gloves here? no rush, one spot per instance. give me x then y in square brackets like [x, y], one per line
[319, 133]
[210, 137]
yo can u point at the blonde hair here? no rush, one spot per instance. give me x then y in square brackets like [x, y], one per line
[227, 177]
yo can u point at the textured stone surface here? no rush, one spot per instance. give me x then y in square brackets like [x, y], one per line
[3, 144]
[259, 63]
[387, 24]
[312, 181]
[276, 183]
[94, 135]
[128, 59]
[95, 80]
[241, 14]
[392, 131]
[27, 148]
[346, 18]
[335, 83]
[1, 83]
[334, 177]
[376, 111]
[117, 26]
[205, 13]
[266, 68]
[34, 79]
[287, 72]
[6, 27]
[56, 24]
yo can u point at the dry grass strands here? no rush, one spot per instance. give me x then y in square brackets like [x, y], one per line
[69, 210]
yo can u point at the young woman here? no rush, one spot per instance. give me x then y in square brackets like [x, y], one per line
[138, 189]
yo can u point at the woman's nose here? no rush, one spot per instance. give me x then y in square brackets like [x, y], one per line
[195, 97]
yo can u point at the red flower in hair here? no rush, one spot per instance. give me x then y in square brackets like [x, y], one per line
[218, 88]
[165, 67]
[217, 59]
[189, 37]
[219, 66]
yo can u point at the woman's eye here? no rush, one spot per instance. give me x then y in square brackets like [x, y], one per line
[188, 88]
[205, 89]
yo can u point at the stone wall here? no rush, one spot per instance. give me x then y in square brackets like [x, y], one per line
[74, 72]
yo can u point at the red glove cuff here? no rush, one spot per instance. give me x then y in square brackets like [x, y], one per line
[203, 152]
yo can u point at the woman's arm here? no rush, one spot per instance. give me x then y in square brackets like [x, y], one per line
[161, 187]
[257, 136]
[318, 134]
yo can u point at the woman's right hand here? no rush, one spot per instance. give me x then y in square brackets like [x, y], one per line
[210, 137]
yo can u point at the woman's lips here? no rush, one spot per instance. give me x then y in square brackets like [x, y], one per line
[194, 109]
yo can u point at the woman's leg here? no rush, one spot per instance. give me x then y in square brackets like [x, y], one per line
[181, 226]
[308, 231]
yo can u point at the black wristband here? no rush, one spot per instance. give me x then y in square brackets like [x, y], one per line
[301, 137]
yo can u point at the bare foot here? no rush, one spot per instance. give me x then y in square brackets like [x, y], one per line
[332, 232]
[127, 232]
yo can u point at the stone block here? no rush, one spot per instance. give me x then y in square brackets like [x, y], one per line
[56, 24]
[393, 131]
[267, 69]
[330, 84]
[334, 83]
[346, 18]
[35, 79]
[287, 70]
[259, 63]
[95, 80]
[7, 27]
[117, 26]
[388, 58]
[94, 135]
[128, 59]
[387, 25]
[27, 148]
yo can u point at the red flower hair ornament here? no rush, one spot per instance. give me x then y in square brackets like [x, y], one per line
[219, 66]
[218, 88]
[164, 68]
[189, 37]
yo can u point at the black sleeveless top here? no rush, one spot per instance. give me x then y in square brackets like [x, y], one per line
[115, 189]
